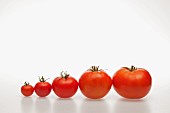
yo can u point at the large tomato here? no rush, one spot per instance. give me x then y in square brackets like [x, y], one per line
[42, 88]
[27, 89]
[95, 83]
[132, 83]
[65, 86]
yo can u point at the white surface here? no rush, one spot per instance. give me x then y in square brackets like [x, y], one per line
[44, 37]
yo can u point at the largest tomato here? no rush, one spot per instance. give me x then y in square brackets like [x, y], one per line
[95, 83]
[132, 83]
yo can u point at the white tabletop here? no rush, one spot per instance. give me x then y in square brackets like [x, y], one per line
[45, 37]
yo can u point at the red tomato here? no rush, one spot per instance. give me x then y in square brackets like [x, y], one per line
[132, 83]
[65, 86]
[42, 88]
[27, 89]
[95, 83]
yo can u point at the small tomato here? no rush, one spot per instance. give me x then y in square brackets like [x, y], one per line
[27, 89]
[42, 88]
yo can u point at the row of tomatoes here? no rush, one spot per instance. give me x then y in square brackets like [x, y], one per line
[95, 83]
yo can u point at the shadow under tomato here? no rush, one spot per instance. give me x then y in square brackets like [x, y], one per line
[27, 105]
[42, 105]
[94, 106]
[131, 106]
[64, 106]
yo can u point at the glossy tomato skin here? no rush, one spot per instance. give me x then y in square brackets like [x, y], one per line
[95, 85]
[27, 90]
[132, 84]
[65, 87]
[42, 89]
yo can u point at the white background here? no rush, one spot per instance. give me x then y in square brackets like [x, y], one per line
[44, 37]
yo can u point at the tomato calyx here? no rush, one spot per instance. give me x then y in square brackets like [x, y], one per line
[64, 74]
[132, 68]
[42, 79]
[94, 68]
[26, 83]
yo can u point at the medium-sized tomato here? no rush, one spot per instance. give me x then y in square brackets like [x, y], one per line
[132, 83]
[27, 89]
[95, 83]
[42, 88]
[65, 86]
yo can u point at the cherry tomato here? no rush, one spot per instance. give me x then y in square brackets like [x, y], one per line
[65, 86]
[132, 83]
[42, 88]
[27, 89]
[95, 83]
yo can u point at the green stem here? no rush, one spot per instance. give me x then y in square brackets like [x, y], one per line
[26, 83]
[94, 68]
[42, 79]
[64, 74]
[132, 68]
